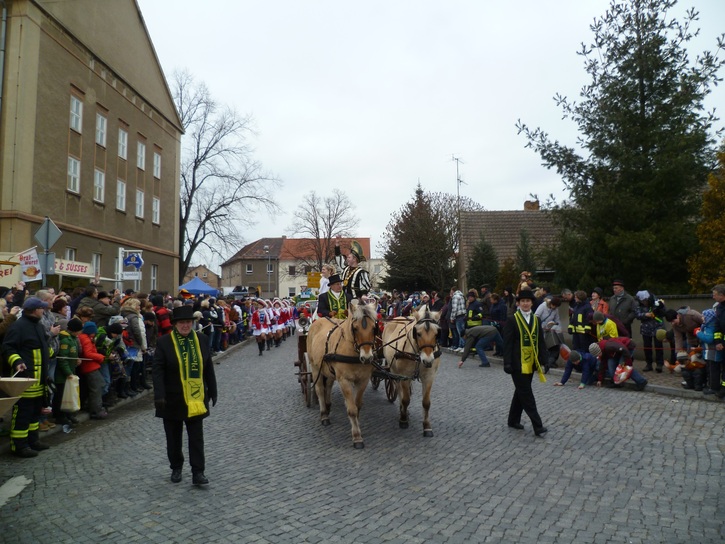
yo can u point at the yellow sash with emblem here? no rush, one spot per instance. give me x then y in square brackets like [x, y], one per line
[529, 345]
[191, 368]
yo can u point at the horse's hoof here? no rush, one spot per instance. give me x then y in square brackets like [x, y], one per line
[428, 433]
[325, 422]
[358, 445]
[403, 424]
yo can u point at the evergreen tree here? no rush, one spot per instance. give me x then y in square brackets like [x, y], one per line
[508, 275]
[707, 267]
[483, 265]
[524, 253]
[421, 240]
[645, 149]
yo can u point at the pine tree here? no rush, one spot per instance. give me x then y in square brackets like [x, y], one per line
[644, 151]
[483, 265]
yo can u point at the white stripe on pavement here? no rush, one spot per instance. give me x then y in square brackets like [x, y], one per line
[12, 487]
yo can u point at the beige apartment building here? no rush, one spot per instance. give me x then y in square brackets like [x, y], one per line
[90, 137]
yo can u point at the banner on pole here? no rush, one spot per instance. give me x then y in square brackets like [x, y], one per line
[30, 265]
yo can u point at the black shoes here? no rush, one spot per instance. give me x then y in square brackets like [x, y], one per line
[641, 386]
[648, 368]
[25, 452]
[541, 432]
[517, 426]
[176, 475]
[39, 446]
[198, 478]
[486, 365]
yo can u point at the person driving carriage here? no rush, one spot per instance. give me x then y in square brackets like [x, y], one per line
[333, 303]
[355, 279]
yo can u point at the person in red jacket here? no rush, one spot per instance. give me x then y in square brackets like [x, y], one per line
[615, 351]
[90, 371]
[163, 317]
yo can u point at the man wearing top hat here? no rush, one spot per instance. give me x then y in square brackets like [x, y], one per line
[355, 279]
[333, 303]
[184, 383]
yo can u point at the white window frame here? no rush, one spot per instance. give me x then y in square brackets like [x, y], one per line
[101, 129]
[157, 165]
[70, 254]
[122, 144]
[154, 276]
[141, 156]
[139, 203]
[96, 259]
[99, 185]
[270, 268]
[74, 175]
[156, 210]
[250, 268]
[121, 195]
[76, 114]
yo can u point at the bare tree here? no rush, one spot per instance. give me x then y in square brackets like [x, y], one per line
[320, 220]
[220, 181]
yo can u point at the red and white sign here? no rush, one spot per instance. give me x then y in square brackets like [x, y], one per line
[30, 265]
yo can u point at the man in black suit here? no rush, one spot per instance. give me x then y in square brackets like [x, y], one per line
[185, 400]
[523, 350]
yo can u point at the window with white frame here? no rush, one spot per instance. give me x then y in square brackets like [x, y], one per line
[270, 268]
[96, 263]
[122, 144]
[70, 254]
[121, 195]
[250, 268]
[76, 113]
[101, 125]
[291, 291]
[154, 276]
[99, 185]
[139, 203]
[141, 155]
[157, 165]
[74, 175]
[156, 210]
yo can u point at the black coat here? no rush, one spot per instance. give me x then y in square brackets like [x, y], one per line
[167, 378]
[512, 345]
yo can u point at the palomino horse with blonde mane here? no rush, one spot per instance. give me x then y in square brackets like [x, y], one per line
[343, 350]
[410, 345]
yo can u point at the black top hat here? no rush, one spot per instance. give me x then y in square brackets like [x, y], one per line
[526, 294]
[335, 278]
[182, 313]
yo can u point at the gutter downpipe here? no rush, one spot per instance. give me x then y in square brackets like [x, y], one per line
[3, 37]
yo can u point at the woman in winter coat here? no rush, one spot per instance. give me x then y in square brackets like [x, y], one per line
[136, 345]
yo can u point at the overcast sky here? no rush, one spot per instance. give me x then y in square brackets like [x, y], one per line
[374, 96]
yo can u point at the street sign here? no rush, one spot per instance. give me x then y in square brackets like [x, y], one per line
[48, 234]
[131, 275]
[47, 263]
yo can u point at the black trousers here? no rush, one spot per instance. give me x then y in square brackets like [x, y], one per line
[24, 423]
[524, 401]
[174, 441]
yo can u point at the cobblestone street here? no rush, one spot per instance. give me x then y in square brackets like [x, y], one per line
[616, 466]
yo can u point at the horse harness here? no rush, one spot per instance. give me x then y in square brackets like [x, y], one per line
[412, 356]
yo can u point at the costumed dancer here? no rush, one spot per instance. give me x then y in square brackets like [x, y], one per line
[260, 324]
[355, 279]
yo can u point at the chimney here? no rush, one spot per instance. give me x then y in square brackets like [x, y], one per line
[531, 205]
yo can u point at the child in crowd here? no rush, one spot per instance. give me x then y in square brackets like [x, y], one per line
[585, 363]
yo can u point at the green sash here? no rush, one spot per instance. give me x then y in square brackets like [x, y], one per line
[191, 368]
[337, 304]
[528, 335]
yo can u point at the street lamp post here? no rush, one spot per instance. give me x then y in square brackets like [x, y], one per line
[269, 274]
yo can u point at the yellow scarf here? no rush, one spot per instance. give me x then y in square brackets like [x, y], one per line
[528, 335]
[191, 368]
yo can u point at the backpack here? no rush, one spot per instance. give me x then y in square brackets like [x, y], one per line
[127, 339]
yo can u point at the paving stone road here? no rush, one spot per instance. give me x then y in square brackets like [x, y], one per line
[616, 466]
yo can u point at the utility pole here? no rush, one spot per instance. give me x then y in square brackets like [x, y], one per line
[461, 256]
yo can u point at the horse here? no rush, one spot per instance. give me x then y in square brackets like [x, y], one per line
[343, 350]
[410, 345]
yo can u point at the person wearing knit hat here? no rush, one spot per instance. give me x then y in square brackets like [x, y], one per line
[90, 370]
[597, 301]
[586, 363]
[615, 352]
[69, 351]
[603, 327]
[524, 354]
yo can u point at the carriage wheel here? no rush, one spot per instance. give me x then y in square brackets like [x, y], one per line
[375, 382]
[391, 389]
